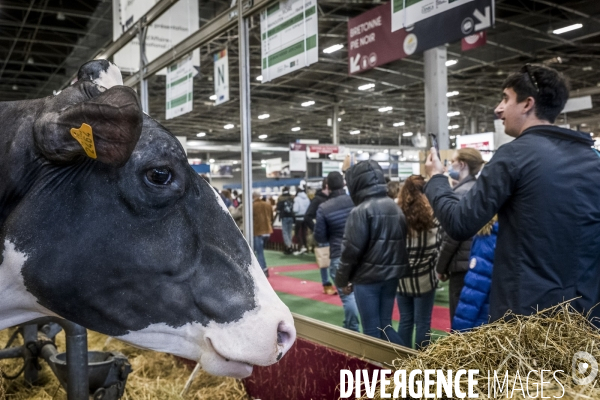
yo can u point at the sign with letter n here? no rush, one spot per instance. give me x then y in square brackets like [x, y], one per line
[221, 77]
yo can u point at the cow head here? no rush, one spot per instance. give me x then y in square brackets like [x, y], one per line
[117, 233]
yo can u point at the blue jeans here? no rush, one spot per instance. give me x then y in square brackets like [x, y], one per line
[259, 250]
[415, 311]
[287, 230]
[348, 301]
[375, 303]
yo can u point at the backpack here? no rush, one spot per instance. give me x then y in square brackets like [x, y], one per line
[288, 206]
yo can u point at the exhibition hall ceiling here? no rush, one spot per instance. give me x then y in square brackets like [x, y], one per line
[44, 41]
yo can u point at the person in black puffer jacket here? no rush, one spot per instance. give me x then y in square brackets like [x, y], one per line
[374, 252]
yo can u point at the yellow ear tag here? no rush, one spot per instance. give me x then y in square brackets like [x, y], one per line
[85, 138]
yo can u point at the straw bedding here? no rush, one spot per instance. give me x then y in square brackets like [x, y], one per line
[547, 340]
[155, 376]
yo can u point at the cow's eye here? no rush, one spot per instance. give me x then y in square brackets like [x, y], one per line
[159, 176]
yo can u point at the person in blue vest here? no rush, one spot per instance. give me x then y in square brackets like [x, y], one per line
[473, 307]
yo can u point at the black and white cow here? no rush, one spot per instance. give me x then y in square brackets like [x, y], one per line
[104, 223]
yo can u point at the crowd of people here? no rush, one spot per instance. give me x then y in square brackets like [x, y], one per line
[520, 234]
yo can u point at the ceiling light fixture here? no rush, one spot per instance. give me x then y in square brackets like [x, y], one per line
[397, 124]
[450, 63]
[407, 134]
[213, 97]
[263, 116]
[296, 129]
[262, 136]
[259, 78]
[367, 86]
[567, 29]
[453, 127]
[212, 160]
[453, 93]
[307, 103]
[386, 109]
[453, 113]
[229, 126]
[355, 132]
[333, 48]
[201, 134]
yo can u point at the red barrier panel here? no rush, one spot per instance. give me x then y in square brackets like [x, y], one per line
[308, 371]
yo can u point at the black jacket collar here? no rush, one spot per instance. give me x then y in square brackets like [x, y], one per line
[561, 133]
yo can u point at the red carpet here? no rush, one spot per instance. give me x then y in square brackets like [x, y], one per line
[440, 318]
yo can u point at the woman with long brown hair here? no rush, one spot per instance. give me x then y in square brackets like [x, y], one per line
[416, 291]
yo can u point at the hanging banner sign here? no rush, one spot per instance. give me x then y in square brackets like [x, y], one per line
[297, 157]
[176, 24]
[180, 88]
[221, 78]
[323, 148]
[289, 37]
[372, 43]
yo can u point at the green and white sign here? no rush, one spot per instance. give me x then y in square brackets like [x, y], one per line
[180, 88]
[408, 12]
[221, 77]
[289, 37]
[331, 166]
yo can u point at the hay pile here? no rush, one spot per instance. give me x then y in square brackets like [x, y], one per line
[547, 340]
[155, 376]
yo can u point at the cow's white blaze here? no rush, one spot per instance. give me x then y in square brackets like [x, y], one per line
[110, 78]
[232, 348]
[18, 305]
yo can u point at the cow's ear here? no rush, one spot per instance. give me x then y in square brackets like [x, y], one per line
[105, 128]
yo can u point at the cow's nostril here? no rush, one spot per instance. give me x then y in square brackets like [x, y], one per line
[286, 334]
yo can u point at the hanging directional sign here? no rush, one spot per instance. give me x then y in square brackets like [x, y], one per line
[371, 41]
[408, 12]
[221, 78]
[180, 88]
[289, 37]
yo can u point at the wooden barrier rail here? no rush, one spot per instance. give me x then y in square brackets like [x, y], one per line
[356, 344]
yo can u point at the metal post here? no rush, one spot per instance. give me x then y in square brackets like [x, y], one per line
[473, 123]
[30, 336]
[78, 385]
[436, 87]
[143, 61]
[335, 124]
[246, 129]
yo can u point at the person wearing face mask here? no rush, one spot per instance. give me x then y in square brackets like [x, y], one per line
[453, 262]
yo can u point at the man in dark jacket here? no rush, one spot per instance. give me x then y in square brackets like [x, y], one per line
[374, 252]
[331, 220]
[285, 209]
[544, 187]
[321, 197]
[310, 217]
